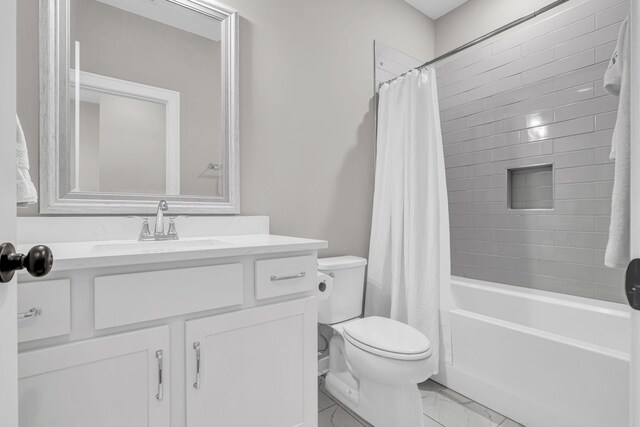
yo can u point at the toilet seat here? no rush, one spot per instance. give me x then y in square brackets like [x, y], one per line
[387, 338]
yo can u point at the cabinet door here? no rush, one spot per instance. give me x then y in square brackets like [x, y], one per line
[257, 367]
[113, 381]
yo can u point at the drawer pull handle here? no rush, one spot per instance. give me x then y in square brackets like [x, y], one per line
[159, 356]
[293, 276]
[196, 347]
[33, 312]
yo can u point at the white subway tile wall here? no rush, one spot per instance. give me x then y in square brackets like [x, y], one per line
[534, 97]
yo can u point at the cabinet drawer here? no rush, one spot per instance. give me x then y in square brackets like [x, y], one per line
[283, 276]
[43, 309]
[132, 298]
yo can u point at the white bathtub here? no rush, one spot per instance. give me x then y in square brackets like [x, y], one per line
[541, 358]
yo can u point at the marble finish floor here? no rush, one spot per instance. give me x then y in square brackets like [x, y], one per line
[441, 408]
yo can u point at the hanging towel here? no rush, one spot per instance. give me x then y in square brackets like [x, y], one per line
[616, 82]
[27, 193]
[409, 258]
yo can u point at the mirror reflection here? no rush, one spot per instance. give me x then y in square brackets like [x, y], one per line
[145, 99]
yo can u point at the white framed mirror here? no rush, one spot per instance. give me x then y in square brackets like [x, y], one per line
[139, 102]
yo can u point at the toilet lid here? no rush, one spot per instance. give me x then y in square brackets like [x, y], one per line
[387, 335]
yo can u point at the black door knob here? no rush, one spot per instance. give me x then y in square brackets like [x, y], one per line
[632, 284]
[38, 261]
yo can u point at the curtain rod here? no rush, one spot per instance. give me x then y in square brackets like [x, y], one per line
[485, 37]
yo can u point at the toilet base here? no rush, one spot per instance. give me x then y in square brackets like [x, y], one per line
[382, 405]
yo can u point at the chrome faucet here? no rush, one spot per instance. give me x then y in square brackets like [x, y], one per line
[162, 207]
[159, 233]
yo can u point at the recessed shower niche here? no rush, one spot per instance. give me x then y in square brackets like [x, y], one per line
[530, 187]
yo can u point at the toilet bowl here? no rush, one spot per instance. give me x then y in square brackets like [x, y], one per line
[375, 363]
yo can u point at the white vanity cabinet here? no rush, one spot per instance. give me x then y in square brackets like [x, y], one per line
[251, 368]
[113, 381]
[113, 343]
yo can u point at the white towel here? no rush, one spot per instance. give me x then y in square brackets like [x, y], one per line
[616, 82]
[27, 193]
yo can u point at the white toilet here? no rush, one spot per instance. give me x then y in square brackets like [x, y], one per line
[375, 363]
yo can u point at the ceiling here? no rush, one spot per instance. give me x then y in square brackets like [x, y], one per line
[434, 9]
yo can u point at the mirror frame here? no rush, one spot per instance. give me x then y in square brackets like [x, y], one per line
[54, 97]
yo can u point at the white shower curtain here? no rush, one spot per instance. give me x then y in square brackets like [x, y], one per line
[409, 259]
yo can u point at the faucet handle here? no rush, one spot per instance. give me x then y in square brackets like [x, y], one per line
[145, 232]
[172, 225]
[172, 228]
[145, 228]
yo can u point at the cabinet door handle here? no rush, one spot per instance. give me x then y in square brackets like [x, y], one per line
[196, 347]
[293, 276]
[33, 312]
[159, 356]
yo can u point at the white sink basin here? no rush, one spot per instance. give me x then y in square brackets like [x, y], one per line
[131, 247]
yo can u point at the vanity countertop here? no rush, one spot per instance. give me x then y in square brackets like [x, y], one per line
[96, 254]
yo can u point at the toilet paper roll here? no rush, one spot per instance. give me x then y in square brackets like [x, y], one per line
[325, 286]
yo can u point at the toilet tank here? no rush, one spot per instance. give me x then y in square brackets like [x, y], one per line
[346, 299]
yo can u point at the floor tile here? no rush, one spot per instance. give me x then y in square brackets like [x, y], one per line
[324, 401]
[442, 407]
[429, 386]
[335, 416]
[428, 422]
[344, 407]
[510, 423]
[454, 410]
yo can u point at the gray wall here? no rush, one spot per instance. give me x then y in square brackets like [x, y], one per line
[130, 159]
[534, 96]
[306, 115]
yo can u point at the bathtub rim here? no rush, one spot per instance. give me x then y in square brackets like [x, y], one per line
[555, 298]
